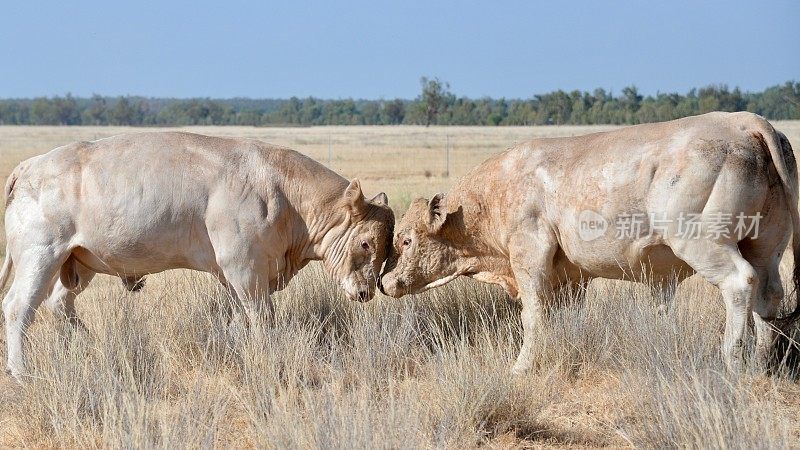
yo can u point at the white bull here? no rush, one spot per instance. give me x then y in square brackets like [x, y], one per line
[250, 213]
[714, 194]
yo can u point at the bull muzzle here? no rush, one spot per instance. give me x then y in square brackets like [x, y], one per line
[391, 286]
[392, 281]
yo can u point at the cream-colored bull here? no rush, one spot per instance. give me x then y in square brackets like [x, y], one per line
[250, 213]
[714, 194]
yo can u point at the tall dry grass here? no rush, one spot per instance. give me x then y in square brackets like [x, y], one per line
[161, 369]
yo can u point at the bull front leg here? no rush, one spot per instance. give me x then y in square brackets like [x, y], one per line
[250, 277]
[532, 264]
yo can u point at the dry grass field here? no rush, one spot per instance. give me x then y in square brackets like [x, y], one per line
[160, 369]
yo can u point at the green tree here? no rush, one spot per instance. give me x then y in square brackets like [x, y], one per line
[311, 111]
[43, 112]
[554, 108]
[631, 101]
[125, 112]
[370, 113]
[96, 112]
[435, 105]
[394, 112]
[521, 113]
[434, 98]
[249, 117]
[13, 112]
[66, 110]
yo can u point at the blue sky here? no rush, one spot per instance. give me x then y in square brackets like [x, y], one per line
[379, 49]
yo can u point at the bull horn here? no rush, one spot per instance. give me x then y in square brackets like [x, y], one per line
[380, 199]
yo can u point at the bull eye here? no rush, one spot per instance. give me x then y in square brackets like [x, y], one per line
[406, 242]
[365, 245]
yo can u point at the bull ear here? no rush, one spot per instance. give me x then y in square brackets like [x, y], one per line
[354, 198]
[380, 199]
[437, 213]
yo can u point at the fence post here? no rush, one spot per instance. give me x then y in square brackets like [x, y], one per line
[447, 155]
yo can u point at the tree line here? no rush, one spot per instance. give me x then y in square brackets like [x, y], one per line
[435, 105]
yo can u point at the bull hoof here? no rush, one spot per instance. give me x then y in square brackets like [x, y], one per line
[133, 284]
[10, 374]
[519, 369]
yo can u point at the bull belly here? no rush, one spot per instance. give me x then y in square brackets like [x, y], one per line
[141, 256]
[649, 263]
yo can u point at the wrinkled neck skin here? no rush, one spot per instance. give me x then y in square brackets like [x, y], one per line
[326, 224]
[477, 238]
[329, 243]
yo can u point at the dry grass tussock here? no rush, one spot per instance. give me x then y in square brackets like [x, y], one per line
[161, 369]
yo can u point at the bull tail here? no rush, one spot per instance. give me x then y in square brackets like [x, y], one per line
[5, 272]
[780, 151]
[8, 263]
[795, 314]
[10, 183]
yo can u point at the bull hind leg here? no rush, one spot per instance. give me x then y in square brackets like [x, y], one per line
[36, 270]
[74, 279]
[721, 264]
[766, 304]
[133, 284]
[765, 254]
[568, 293]
[663, 292]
